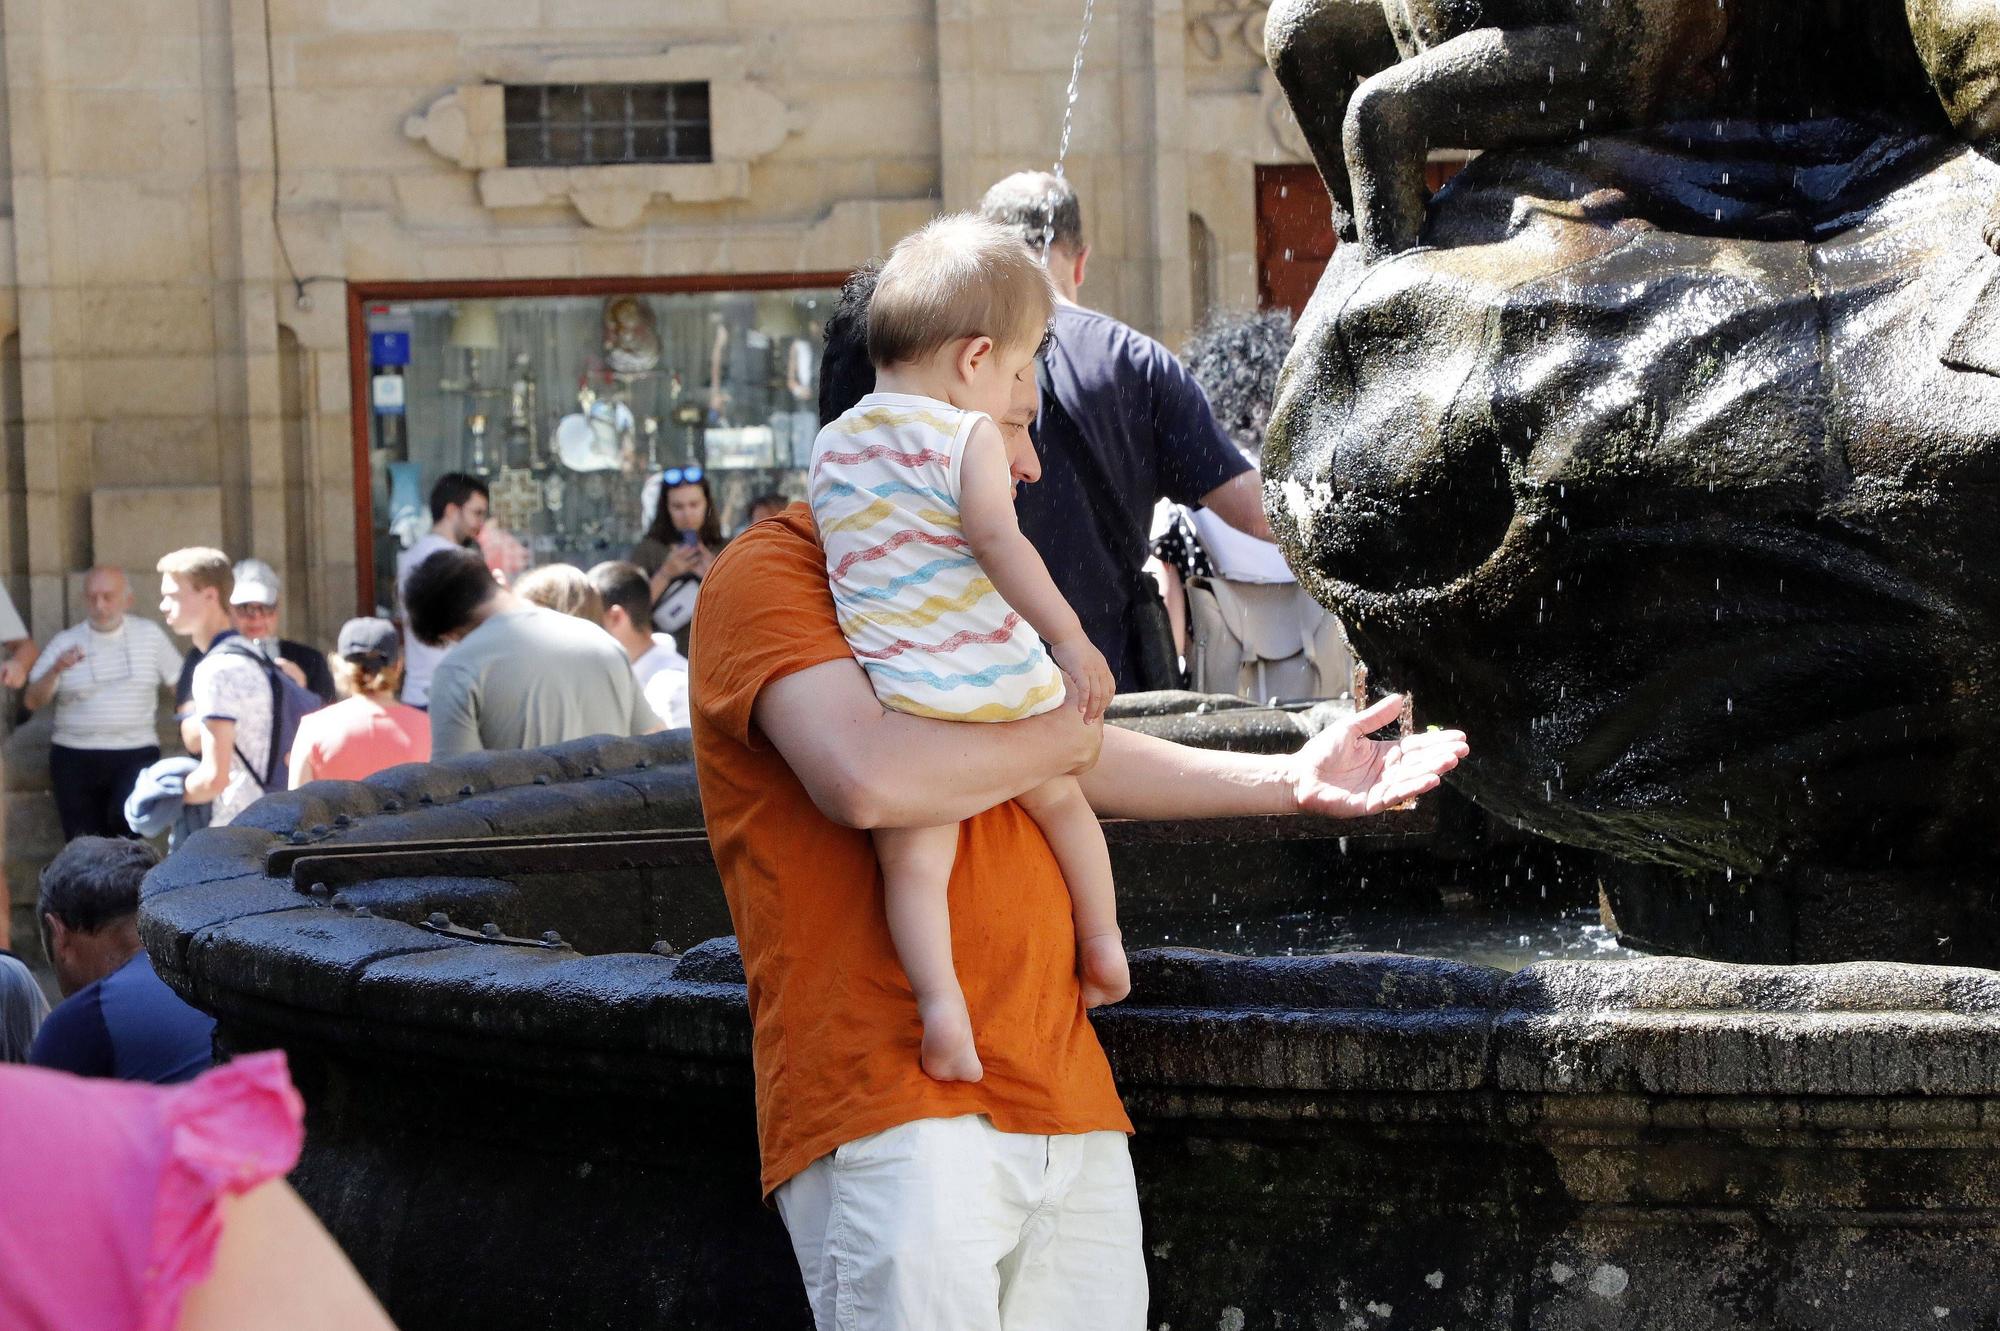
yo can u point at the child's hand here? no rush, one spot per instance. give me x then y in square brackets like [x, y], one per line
[1089, 674]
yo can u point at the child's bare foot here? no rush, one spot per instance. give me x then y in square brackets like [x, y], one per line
[948, 1053]
[1101, 964]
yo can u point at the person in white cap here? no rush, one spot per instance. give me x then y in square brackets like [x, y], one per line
[104, 677]
[253, 612]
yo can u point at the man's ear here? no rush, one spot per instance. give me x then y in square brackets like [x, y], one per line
[615, 618]
[58, 932]
[1082, 258]
[972, 354]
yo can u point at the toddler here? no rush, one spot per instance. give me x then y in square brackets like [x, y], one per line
[945, 603]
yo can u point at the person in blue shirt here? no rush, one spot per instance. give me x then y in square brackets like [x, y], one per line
[117, 1018]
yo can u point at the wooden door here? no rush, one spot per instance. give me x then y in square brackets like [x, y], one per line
[1294, 234]
[1295, 229]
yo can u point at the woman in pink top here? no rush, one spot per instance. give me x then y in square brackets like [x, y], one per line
[131, 1207]
[368, 730]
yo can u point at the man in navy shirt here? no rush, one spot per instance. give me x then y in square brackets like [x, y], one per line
[1126, 427]
[117, 1018]
[1129, 426]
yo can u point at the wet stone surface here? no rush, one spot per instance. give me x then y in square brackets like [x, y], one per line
[569, 1135]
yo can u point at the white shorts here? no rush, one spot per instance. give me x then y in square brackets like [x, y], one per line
[949, 1224]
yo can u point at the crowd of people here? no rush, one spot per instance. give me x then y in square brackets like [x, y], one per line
[896, 696]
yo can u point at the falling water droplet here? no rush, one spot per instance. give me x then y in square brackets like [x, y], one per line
[1729, 705]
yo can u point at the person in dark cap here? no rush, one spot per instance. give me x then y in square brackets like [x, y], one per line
[369, 729]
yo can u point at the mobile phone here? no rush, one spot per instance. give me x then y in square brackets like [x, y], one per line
[690, 538]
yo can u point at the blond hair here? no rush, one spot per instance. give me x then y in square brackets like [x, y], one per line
[562, 587]
[960, 276]
[201, 567]
[352, 678]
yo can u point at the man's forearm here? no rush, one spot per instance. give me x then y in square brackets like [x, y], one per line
[205, 782]
[932, 772]
[1239, 501]
[210, 776]
[41, 692]
[867, 767]
[1142, 776]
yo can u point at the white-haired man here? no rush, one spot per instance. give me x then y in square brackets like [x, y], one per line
[104, 677]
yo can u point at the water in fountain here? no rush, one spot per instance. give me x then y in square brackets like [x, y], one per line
[1069, 121]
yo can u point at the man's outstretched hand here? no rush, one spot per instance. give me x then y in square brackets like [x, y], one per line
[1341, 773]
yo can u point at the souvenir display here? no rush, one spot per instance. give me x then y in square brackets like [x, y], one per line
[727, 380]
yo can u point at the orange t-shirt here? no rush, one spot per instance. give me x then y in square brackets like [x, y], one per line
[835, 1025]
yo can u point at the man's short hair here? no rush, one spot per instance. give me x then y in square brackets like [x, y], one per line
[94, 882]
[845, 374]
[455, 487]
[627, 587]
[443, 591]
[201, 567]
[1033, 202]
[959, 276]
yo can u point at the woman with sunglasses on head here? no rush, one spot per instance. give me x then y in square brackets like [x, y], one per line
[683, 540]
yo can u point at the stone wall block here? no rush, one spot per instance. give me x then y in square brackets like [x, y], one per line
[141, 386]
[139, 234]
[412, 60]
[132, 526]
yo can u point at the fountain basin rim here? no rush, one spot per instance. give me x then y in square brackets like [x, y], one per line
[247, 947]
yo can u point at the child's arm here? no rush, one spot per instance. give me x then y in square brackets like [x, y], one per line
[986, 507]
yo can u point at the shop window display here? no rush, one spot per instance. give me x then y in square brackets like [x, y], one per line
[572, 407]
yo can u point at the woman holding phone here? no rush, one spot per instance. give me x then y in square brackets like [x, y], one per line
[683, 540]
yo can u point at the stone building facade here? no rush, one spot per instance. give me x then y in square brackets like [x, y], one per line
[201, 201]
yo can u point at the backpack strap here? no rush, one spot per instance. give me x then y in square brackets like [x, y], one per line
[239, 646]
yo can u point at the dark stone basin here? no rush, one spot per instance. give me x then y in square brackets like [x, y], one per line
[1647, 469]
[511, 1133]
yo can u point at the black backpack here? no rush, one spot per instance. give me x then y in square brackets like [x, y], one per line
[290, 701]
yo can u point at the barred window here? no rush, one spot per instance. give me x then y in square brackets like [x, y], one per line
[606, 124]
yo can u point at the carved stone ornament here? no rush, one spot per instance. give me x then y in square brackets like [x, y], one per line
[1229, 28]
[1286, 141]
[467, 126]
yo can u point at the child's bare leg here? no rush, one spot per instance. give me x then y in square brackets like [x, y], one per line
[916, 870]
[1066, 819]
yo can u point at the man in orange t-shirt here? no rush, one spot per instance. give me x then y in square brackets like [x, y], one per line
[913, 1203]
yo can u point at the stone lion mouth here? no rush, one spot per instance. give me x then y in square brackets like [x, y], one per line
[1695, 693]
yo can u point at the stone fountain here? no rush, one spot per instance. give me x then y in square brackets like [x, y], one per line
[1660, 448]
[1656, 458]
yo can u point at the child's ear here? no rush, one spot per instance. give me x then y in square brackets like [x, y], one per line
[973, 353]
